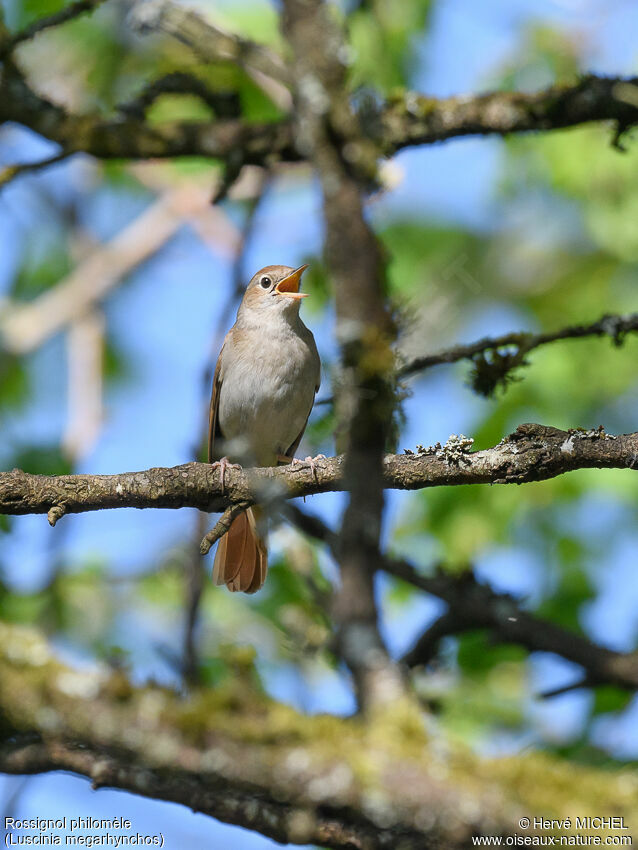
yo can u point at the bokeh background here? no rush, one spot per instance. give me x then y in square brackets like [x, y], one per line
[483, 236]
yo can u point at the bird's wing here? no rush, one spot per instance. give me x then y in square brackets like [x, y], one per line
[294, 446]
[214, 430]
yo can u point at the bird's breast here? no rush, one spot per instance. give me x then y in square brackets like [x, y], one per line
[267, 391]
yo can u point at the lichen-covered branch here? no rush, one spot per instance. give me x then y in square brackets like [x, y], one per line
[531, 453]
[134, 138]
[412, 119]
[238, 756]
[613, 326]
[415, 119]
[495, 358]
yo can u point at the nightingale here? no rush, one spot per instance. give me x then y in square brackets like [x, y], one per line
[265, 381]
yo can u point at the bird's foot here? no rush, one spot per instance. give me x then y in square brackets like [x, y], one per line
[223, 464]
[311, 462]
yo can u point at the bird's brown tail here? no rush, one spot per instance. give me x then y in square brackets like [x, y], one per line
[241, 561]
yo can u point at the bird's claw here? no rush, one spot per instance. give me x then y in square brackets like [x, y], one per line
[224, 464]
[311, 461]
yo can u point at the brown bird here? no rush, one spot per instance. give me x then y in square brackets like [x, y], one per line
[265, 382]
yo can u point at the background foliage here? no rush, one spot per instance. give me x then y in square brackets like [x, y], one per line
[482, 237]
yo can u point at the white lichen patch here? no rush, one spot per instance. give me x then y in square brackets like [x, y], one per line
[377, 806]
[165, 750]
[427, 450]
[314, 93]
[144, 781]
[48, 720]
[297, 761]
[23, 647]
[598, 434]
[301, 825]
[568, 446]
[332, 785]
[412, 103]
[455, 449]
[251, 810]
[79, 685]
[215, 761]
[151, 705]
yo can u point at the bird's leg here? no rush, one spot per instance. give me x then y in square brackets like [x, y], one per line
[223, 465]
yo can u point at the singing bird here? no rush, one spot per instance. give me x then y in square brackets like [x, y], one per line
[265, 382]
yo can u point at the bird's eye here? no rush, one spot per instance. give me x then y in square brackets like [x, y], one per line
[265, 282]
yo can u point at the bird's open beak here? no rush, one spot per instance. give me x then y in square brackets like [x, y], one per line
[289, 286]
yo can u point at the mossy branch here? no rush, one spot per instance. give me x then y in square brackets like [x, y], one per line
[415, 119]
[410, 119]
[242, 758]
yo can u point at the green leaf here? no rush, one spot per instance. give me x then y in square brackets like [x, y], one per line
[609, 699]
[42, 460]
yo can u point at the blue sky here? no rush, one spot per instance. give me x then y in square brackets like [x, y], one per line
[153, 419]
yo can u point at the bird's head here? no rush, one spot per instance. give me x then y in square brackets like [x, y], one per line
[275, 289]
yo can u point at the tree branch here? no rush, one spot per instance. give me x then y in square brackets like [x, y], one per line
[26, 326]
[475, 606]
[68, 13]
[10, 172]
[242, 758]
[133, 138]
[494, 358]
[212, 43]
[531, 453]
[330, 134]
[412, 120]
[225, 104]
[415, 119]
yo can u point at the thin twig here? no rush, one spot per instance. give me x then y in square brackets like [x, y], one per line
[194, 576]
[221, 526]
[566, 689]
[10, 172]
[224, 104]
[69, 13]
[212, 43]
[611, 325]
[496, 358]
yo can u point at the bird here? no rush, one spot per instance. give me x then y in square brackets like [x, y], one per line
[267, 375]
